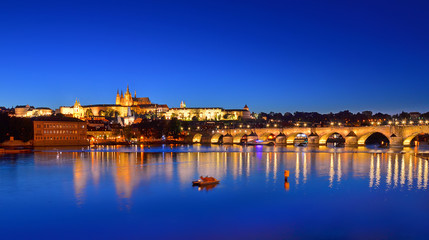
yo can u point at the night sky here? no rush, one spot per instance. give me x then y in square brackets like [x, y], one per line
[281, 56]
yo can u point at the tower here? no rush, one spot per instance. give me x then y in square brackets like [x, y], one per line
[182, 104]
[128, 98]
[122, 98]
[118, 98]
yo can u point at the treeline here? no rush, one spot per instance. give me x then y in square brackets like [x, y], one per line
[19, 128]
[343, 116]
[155, 129]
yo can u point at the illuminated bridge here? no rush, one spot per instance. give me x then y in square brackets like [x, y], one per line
[353, 136]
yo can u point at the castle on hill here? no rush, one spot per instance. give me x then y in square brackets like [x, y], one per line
[127, 107]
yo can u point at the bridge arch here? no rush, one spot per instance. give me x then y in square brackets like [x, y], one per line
[240, 138]
[362, 140]
[324, 139]
[197, 138]
[216, 138]
[268, 137]
[291, 138]
[408, 141]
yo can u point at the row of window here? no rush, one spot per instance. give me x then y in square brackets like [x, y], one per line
[60, 138]
[59, 126]
[60, 132]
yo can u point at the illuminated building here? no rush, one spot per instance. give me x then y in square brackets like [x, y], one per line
[59, 131]
[121, 108]
[207, 114]
[29, 111]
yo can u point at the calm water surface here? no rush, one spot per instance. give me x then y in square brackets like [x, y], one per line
[146, 193]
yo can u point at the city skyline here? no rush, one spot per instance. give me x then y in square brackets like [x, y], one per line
[295, 56]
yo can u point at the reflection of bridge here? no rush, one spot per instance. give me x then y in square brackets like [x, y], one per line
[397, 135]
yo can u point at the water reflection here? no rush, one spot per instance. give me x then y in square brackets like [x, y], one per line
[129, 171]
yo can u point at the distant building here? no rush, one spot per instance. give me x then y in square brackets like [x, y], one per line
[414, 115]
[29, 111]
[207, 114]
[59, 131]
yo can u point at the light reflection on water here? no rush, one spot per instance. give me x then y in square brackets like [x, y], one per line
[130, 168]
[134, 176]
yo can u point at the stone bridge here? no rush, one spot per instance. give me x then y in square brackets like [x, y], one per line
[397, 135]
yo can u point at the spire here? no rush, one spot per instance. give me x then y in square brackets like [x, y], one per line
[135, 94]
[128, 90]
[122, 94]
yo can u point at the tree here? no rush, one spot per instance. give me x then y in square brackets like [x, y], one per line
[88, 113]
[109, 112]
[174, 128]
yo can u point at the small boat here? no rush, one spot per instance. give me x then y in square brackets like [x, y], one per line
[260, 142]
[205, 181]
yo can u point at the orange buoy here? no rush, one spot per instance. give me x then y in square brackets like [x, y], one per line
[286, 174]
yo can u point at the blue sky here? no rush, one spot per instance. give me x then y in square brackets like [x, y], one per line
[281, 56]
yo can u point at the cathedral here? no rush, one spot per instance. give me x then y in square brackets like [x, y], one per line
[128, 101]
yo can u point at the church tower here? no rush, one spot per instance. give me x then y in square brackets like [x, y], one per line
[128, 97]
[118, 98]
[122, 98]
[182, 104]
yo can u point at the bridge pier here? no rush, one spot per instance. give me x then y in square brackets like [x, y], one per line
[281, 139]
[351, 140]
[252, 137]
[313, 139]
[228, 139]
[395, 141]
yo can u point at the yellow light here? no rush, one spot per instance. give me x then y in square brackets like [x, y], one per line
[426, 121]
[275, 125]
[268, 125]
[332, 124]
[404, 122]
[411, 122]
[390, 122]
[339, 124]
[378, 123]
[248, 126]
[305, 124]
[421, 121]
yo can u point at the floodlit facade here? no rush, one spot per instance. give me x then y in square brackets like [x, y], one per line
[59, 131]
[30, 111]
[207, 114]
[121, 108]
